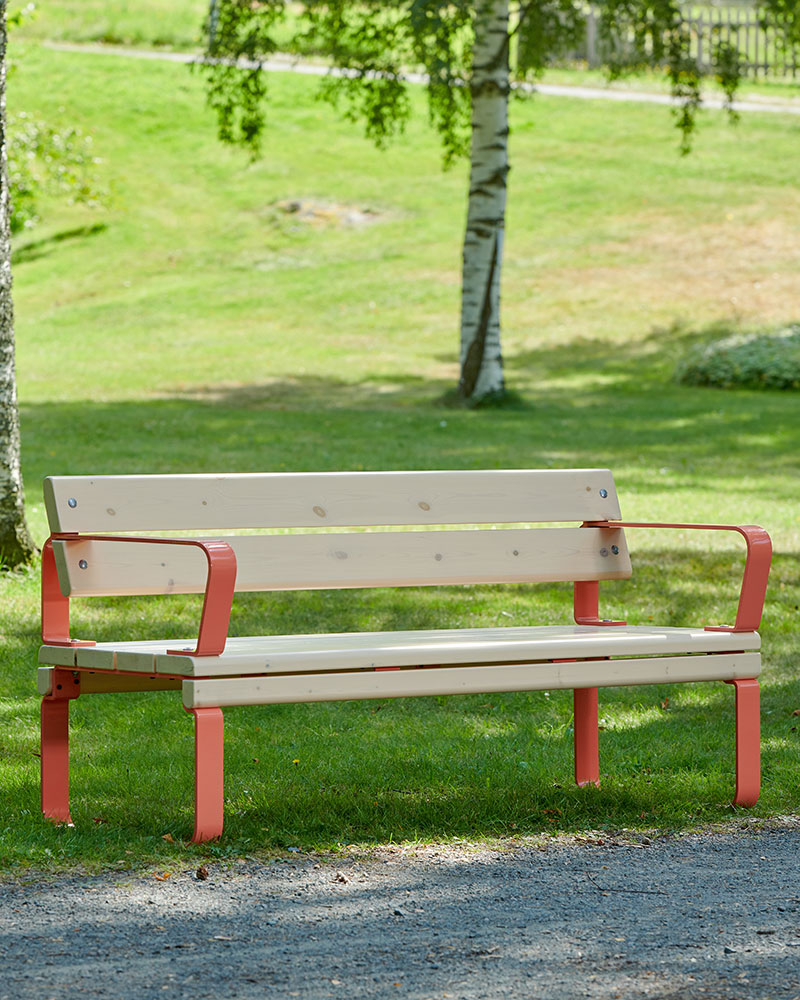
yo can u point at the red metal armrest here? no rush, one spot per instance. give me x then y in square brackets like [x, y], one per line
[213, 631]
[754, 581]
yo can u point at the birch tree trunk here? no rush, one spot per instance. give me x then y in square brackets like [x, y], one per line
[16, 546]
[481, 358]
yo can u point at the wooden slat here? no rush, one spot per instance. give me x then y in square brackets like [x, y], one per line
[105, 655]
[100, 504]
[368, 650]
[44, 680]
[457, 680]
[57, 656]
[365, 559]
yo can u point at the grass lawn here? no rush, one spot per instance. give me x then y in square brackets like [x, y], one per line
[191, 324]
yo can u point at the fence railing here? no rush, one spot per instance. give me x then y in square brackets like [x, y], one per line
[760, 46]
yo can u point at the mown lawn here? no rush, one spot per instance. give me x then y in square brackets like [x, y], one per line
[192, 324]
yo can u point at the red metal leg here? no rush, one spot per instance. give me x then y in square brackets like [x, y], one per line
[208, 773]
[587, 751]
[748, 742]
[55, 759]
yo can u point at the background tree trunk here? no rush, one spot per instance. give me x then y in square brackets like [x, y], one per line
[481, 358]
[16, 546]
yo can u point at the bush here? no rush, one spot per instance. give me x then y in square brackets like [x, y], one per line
[753, 361]
[44, 160]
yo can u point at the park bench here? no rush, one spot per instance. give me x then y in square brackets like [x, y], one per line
[94, 550]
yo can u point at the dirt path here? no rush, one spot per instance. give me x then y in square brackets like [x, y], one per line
[703, 916]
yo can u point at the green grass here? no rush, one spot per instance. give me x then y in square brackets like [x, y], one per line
[191, 325]
[175, 24]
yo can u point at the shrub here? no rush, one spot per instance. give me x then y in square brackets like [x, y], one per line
[754, 361]
[45, 160]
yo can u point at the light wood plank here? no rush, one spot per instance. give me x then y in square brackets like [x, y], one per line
[364, 559]
[99, 504]
[44, 680]
[57, 656]
[368, 650]
[437, 681]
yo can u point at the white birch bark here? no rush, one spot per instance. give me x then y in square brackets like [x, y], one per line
[481, 358]
[16, 546]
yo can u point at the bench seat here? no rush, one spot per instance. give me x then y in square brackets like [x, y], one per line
[351, 651]
[338, 667]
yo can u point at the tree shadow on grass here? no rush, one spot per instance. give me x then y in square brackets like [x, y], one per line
[473, 766]
[36, 249]
[587, 404]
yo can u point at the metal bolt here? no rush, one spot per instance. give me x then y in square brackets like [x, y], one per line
[615, 549]
[83, 564]
[515, 552]
[604, 493]
[604, 552]
[72, 502]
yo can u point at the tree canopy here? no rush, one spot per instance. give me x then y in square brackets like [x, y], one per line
[471, 56]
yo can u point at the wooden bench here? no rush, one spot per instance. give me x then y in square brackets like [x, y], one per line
[86, 557]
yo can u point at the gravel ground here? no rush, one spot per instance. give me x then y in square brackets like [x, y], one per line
[714, 915]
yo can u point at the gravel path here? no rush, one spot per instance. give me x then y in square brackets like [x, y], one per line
[715, 916]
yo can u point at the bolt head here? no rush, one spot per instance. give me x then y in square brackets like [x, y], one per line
[72, 502]
[82, 563]
[604, 493]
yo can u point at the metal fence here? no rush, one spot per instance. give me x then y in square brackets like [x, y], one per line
[760, 46]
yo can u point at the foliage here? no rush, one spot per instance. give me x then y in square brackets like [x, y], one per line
[162, 23]
[377, 44]
[755, 361]
[47, 160]
[43, 159]
[784, 15]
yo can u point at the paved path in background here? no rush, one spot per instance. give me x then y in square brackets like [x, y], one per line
[712, 916]
[288, 65]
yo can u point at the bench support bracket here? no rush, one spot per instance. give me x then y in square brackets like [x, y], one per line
[748, 741]
[208, 773]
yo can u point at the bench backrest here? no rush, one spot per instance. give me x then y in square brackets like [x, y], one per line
[334, 559]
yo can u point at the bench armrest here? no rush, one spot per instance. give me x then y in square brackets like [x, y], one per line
[217, 600]
[756, 567]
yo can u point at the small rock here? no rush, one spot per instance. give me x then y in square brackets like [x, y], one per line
[202, 873]
[729, 951]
